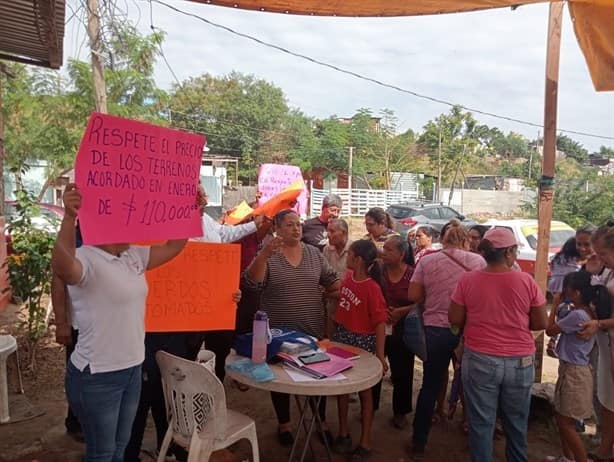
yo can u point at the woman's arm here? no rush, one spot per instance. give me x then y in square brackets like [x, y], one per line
[380, 342]
[538, 317]
[416, 292]
[457, 315]
[256, 271]
[63, 260]
[332, 291]
[60, 311]
[590, 328]
[161, 253]
[553, 328]
[556, 299]
[395, 314]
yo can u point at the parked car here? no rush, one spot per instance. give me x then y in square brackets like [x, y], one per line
[526, 235]
[49, 219]
[410, 214]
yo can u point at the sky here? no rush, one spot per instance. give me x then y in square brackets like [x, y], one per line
[493, 61]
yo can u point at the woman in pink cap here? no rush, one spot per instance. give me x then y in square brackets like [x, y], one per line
[498, 308]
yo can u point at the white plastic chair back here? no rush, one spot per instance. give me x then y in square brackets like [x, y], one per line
[194, 397]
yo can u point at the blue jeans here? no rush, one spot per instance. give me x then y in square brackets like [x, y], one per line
[491, 383]
[105, 404]
[440, 345]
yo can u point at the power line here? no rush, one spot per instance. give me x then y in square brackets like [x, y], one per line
[153, 28]
[371, 79]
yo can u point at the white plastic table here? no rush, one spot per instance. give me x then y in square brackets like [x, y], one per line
[8, 345]
[365, 373]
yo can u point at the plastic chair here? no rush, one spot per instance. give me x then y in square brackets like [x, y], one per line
[196, 409]
[8, 345]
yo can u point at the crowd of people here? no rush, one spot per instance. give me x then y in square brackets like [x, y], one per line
[477, 309]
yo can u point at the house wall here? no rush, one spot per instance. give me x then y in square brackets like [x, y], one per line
[473, 201]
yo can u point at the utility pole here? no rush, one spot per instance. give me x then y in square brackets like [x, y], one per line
[93, 32]
[439, 166]
[350, 185]
[3, 70]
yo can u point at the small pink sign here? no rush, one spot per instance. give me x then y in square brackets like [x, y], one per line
[138, 181]
[274, 178]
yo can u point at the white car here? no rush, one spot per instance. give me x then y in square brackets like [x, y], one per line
[526, 235]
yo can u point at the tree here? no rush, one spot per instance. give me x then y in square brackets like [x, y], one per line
[241, 116]
[571, 148]
[605, 152]
[461, 139]
[46, 115]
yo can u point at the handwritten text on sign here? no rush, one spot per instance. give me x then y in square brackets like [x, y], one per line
[138, 181]
[193, 292]
[274, 178]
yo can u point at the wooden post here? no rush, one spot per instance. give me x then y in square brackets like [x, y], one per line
[546, 182]
[93, 32]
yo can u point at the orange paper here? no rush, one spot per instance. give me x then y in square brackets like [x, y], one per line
[282, 201]
[240, 213]
[193, 292]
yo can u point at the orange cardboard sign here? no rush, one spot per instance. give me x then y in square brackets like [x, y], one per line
[193, 292]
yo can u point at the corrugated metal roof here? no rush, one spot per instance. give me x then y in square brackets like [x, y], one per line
[32, 31]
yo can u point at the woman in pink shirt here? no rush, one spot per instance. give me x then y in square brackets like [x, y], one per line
[498, 307]
[432, 284]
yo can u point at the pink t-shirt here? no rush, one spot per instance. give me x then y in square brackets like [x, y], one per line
[438, 274]
[498, 307]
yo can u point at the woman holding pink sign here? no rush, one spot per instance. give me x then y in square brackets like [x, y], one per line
[108, 291]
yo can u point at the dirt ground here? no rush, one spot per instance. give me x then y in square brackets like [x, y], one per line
[44, 439]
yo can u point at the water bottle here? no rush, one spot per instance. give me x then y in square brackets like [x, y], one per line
[563, 309]
[260, 337]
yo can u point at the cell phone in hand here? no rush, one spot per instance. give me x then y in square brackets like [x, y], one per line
[314, 358]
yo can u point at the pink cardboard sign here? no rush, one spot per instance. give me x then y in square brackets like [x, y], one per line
[138, 181]
[274, 178]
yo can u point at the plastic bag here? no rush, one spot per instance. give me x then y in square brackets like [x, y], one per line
[279, 336]
[254, 371]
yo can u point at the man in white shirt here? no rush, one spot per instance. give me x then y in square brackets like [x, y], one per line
[216, 232]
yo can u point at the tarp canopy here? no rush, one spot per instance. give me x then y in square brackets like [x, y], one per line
[593, 20]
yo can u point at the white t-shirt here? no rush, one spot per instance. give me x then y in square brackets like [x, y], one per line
[108, 309]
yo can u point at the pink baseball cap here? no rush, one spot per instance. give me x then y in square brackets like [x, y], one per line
[500, 237]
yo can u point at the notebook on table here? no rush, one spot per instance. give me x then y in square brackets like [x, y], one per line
[318, 370]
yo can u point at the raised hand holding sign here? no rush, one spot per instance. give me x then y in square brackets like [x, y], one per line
[139, 181]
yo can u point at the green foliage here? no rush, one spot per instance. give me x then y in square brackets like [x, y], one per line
[571, 148]
[605, 152]
[581, 196]
[29, 266]
[241, 116]
[45, 115]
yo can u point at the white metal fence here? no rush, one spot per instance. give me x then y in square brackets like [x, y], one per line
[357, 202]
